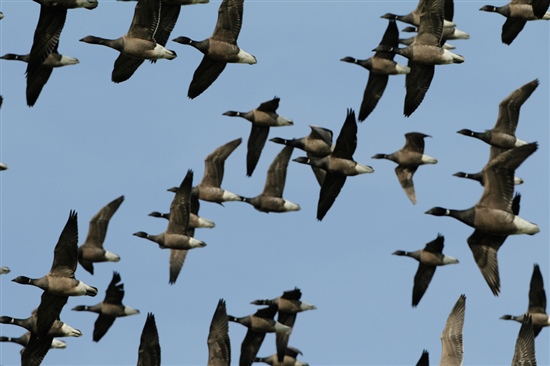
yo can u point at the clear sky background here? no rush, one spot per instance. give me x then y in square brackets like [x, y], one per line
[88, 141]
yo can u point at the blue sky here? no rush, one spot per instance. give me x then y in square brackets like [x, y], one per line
[88, 141]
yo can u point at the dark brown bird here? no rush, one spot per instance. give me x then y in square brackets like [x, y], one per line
[109, 309]
[409, 158]
[428, 259]
[338, 165]
[289, 304]
[219, 346]
[537, 304]
[149, 346]
[220, 48]
[262, 118]
[380, 66]
[91, 251]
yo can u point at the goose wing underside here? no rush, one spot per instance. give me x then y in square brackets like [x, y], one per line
[219, 347]
[149, 346]
[207, 72]
[417, 83]
[35, 83]
[537, 295]
[169, 14]
[484, 248]
[146, 19]
[422, 280]
[373, 93]
[452, 352]
[250, 347]
[276, 174]
[511, 29]
[346, 143]
[256, 143]
[177, 259]
[46, 35]
[124, 68]
[214, 163]
[100, 222]
[332, 185]
[66, 249]
[230, 18]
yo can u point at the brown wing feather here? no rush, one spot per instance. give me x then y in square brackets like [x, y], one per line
[66, 249]
[207, 72]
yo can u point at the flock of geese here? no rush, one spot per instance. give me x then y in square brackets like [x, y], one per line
[494, 217]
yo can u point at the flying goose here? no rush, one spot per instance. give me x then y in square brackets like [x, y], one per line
[24, 340]
[452, 346]
[58, 285]
[138, 44]
[289, 359]
[485, 247]
[537, 304]
[380, 66]
[271, 199]
[149, 346]
[4, 270]
[317, 144]
[57, 329]
[109, 309]
[524, 352]
[258, 324]
[177, 237]
[262, 118]
[409, 158]
[37, 79]
[503, 133]
[289, 304]
[209, 189]
[493, 213]
[92, 249]
[50, 24]
[517, 13]
[428, 259]
[41, 339]
[61, 279]
[423, 54]
[220, 48]
[338, 165]
[219, 347]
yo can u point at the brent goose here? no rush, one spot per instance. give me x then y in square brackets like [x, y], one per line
[338, 165]
[289, 304]
[380, 66]
[428, 259]
[37, 79]
[220, 48]
[262, 118]
[92, 249]
[109, 309]
[271, 199]
[517, 13]
[409, 158]
[138, 44]
[537, 303]
[493, 212]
